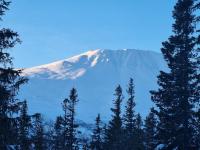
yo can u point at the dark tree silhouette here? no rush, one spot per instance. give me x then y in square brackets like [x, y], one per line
[197, 54]
[38, 132]
[97, 141]
[72, 101]
[24, 128]
[65, 127]
[10, 82]
[150, 128]
[129, 119]
[176, 95]
[114, 130]
[58, 143]
[139, 134]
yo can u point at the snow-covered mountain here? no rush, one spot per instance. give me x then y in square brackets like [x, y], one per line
[95, 74]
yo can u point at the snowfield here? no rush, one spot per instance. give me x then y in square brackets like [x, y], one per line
[95, 75]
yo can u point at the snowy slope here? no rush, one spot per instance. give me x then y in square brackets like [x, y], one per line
[95, 74]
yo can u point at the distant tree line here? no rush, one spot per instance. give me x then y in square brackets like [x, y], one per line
[172, 124]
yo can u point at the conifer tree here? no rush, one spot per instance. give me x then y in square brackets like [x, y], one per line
[24, 128]
[114, 130]
[58, 135]
[65, 126]
[105, 136]
[84, 143]
[197, 129]
[72, 101]
[97, 142]
[38, 132]
[10, 82]
[49, 134]
[139, 134]
[85, 146]
[176, 95]
[197, 114]
[129, 119]
[150, 127]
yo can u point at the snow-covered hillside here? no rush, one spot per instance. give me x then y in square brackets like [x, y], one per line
[95, 74]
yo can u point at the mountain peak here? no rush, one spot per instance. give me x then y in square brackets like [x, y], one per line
[76, 66]
[95, 74]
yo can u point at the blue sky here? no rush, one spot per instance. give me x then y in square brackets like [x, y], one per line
[56, 29]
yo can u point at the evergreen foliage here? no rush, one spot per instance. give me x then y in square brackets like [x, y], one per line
[58, 135]
[65, 127]
[24, 128]
[38, 132]
[114, 130]
[139, 134]
[197, 54]
[173, 124]
[129, 120]
[10, 82]
[150, 128]
[97, 142]
[176, 96]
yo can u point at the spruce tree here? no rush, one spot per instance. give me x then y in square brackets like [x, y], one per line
[197, 114]
[197, 129]
[85, 146]
[49, 134]
[105, 136]
[176, 95]
[24, 128]
[38, 132]
[114, 130]
[58, 134]
[65, 127]
[129, 119]
[84, 143]
[97, 142]
[72, 139]
[10, 82]
[150, 128]
[139, 134]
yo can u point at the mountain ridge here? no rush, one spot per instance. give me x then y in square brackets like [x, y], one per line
[95, 74]
[92, 53]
